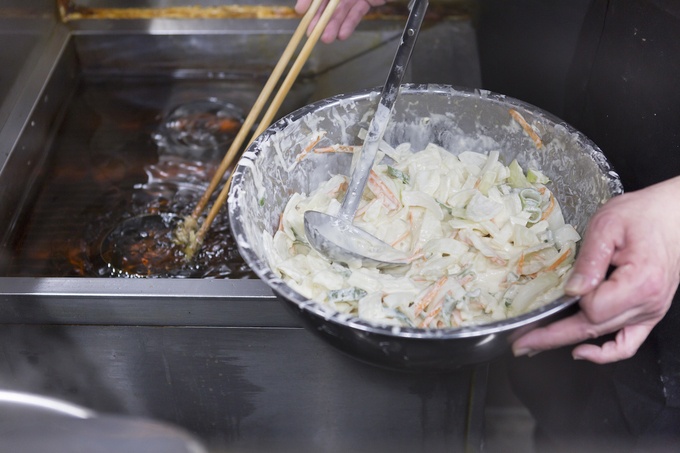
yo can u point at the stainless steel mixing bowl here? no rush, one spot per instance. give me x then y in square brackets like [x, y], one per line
[268, 174]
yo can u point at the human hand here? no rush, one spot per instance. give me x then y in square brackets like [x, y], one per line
[344, 20]
[637, 233]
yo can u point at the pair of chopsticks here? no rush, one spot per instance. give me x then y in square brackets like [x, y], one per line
[196, 240]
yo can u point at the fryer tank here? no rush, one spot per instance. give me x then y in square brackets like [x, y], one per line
[83, 94]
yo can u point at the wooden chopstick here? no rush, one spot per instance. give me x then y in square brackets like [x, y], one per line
[297, 67]
[257, 108]
[259, 104]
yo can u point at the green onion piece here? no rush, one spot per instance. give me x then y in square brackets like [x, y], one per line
[530, 197]
[398, 174]
[402, 317]
[346, 294]
[535, 213]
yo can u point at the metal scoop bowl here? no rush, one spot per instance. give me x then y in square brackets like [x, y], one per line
[338, 238]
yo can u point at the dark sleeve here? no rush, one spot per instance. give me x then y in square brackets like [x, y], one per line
[623, 87]
[624, 93]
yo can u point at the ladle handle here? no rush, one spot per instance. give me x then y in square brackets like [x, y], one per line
[388, 97]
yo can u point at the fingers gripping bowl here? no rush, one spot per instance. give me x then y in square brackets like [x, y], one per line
[273, 169]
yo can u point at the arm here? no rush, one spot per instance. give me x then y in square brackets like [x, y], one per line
[345, 19]
[638, 234]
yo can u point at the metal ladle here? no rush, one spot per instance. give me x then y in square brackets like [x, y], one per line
[338, 238]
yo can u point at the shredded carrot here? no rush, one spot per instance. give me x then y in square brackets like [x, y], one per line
[382, 192]
[549, 209]
[430, 317]
[559, 260]
[466, 279]
[400, 238]
[408, 232]
[342, 187]
[429, 296]
[418, 254]
[527, 128]
[498, 260]
[554, 265]
[520, 264]
[309, 147]
[336, 149]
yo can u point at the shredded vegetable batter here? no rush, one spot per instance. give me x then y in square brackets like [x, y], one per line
[486, 241]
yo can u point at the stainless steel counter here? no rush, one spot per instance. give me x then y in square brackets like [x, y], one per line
[226, 362]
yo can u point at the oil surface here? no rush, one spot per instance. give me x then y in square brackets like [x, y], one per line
[111, 160]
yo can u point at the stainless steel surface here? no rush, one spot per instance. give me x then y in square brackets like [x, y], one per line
[335, 236]
[221, 358]
[159, 302]
[245, 389]
[25, 27]
[32, 423]
[581, 180]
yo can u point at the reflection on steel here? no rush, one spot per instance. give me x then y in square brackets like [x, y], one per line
[33, 423]
[52, 405]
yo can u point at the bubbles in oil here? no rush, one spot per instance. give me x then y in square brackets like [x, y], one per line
[199, 129]
[134, 235]
[143, 246]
